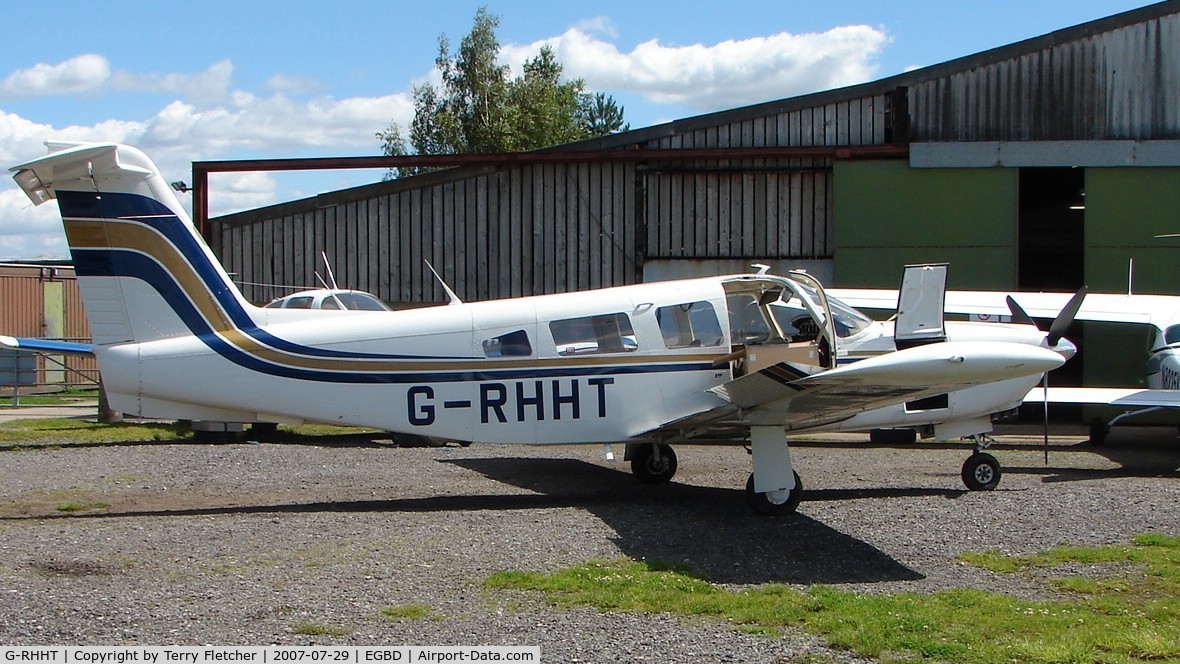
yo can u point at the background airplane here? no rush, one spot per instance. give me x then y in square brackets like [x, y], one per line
[738, 359]
[1160, 312]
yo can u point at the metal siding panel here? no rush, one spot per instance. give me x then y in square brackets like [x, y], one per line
[402, 245]
[747, 212]
[358, 247]
[543, 231]
[599, 194]
[520, 237]
[482, 234]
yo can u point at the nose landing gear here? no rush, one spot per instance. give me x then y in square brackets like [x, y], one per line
[981, 471]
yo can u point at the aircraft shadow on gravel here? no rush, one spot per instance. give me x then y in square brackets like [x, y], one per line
[702, 528]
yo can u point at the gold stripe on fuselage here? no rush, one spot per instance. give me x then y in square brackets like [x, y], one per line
[130, 235]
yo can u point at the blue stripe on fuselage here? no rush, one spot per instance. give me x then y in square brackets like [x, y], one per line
[143, 267]
[134, 208]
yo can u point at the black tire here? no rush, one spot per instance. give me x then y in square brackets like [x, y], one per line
[650, 471]
[763, 506]
[893, 436]
[981, 472]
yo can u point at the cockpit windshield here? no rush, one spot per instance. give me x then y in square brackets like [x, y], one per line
[793, 317]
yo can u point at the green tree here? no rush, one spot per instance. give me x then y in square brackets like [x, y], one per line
[543, 111]
[603, 116]
[479, 107]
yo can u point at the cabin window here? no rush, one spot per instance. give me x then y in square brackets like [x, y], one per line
[1172, 335]
[513, 344]
[299, 303]
[747, 325]
[353, 302]
[689, 325]
[605, 333]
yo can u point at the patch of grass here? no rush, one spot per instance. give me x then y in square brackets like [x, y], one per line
[408, 612]
[74, 506]
[307, 430]
[41, 433]
[18, 434]
[1129, 618]
[65, 397]
[316, 629]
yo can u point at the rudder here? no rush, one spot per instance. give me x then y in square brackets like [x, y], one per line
[144, 271]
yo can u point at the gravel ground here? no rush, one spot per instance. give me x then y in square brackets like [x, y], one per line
[243, 544]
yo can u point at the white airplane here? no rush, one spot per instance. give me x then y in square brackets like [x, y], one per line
[738, 359]
[1160, 312]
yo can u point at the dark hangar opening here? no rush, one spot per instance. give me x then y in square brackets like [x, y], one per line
[1052, 229]
[1052, 251]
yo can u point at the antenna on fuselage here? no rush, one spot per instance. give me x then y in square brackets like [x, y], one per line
[328, 269]
[453, 299]
[330, 284]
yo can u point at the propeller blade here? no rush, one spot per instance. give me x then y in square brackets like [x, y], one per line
[1065, 318]
[1019, 315]
[1045, 385]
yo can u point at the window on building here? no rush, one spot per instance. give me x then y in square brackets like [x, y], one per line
[605, 333]
[689, 325]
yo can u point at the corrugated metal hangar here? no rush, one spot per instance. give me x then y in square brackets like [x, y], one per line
[1040, 165]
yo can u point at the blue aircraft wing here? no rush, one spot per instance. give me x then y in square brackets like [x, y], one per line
[46, 346]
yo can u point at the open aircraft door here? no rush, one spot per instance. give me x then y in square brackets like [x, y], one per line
[920, 306]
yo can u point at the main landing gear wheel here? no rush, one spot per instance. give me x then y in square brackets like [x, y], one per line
[774, 503]
[651, 469]
[981, 472]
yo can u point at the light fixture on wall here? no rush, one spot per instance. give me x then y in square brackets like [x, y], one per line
[1078, 203]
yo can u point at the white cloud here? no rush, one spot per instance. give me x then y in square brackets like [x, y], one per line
[27, 231]
[84, 73]
[299, 85]
[244, 126]
[234, 192]
[724, 75]
[600, 25]
[208, 87]
[209, 119]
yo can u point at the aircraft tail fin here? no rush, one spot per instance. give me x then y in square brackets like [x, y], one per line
[144, 271]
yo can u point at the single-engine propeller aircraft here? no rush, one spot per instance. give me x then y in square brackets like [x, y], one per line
[738, 359]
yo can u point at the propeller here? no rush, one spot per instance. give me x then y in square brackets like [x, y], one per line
[1019, 315]
[1065, 318]
[1056, 331]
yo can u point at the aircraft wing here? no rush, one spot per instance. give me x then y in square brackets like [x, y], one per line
[1108, 396]
[46, 346]
[1104, 307]
[778, 394]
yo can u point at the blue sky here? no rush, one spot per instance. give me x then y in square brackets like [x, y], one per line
[263, 78]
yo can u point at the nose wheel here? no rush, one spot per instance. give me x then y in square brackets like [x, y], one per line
[981, 472]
